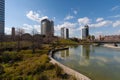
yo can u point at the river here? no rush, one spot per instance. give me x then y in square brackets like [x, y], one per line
[98, 63]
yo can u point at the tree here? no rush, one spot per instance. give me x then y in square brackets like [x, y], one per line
[19, 33]
[38, 40]
[48, 38]
[93, 37]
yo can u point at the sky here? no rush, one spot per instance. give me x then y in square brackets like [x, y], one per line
[102, 16]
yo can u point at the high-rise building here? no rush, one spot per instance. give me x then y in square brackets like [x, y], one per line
[85, 32]
[13, 33]
[47, 27]
[65, 33]
[2, 16]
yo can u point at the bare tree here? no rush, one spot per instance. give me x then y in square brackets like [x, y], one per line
[38, 40]
[48, 38]
[33, 40]
[19, 33]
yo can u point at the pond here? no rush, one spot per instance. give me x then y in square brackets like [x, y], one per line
[98, 63]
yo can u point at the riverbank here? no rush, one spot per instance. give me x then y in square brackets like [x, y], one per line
[66, 69]
[111, 46]
[17, 66]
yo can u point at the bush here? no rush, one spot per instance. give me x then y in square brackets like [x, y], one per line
[42, 51]
[10, 56]
[49, 66]
[1, 69]
[42, 77]
[45, 59]
[25, 52]
[18, 78]
[58, 70]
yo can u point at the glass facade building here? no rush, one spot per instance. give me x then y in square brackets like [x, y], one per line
[47, 27]
[85, 32]
[65, 33]
[2, 16]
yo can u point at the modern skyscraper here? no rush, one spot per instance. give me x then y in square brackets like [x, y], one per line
[13, 33]
[65, 33]
[2, 16]
[47, 27]
[85, 32]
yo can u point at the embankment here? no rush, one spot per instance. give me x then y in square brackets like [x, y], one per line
[111, 46]
[66, 69]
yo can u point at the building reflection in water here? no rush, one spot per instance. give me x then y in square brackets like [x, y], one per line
[85, 51]
[64, 54]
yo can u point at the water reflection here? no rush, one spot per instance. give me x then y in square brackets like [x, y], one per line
[99, 63]
[85, 51]
[64, 54]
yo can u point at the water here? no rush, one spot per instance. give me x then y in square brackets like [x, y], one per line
[98, 63]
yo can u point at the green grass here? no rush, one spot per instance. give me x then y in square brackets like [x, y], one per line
[30, 66]
[66, 41]
[26, 65]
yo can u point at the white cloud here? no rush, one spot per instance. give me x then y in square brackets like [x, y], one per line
[68, 17]
[75, 12]
[116, 16]
[97, 34]
[115, 8]
[118, 31]
[116, 24]
[101, 59]
[8, 30]
[29, 28]
[35, 16]
[37, 28]
[99, 19]
[84, 21]
[65, 24]
[101, 24]
[44, 17]
[70, 26]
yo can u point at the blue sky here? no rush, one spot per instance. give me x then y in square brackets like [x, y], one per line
[102, 16]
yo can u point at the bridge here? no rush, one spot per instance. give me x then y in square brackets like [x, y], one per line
[106, 42]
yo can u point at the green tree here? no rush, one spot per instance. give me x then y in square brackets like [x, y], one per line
[93, 37]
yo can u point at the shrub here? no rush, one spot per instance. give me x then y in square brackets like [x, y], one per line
[45, 59]
[41, 77]
[1, 69]
[42, 51]
[18, 78]
[49, 66]
[30, 77]
[58, 70]
[10, 56]
[26, 52]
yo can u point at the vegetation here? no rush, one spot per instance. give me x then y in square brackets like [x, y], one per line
[25, 65]
[26, 58]
[66, 41]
